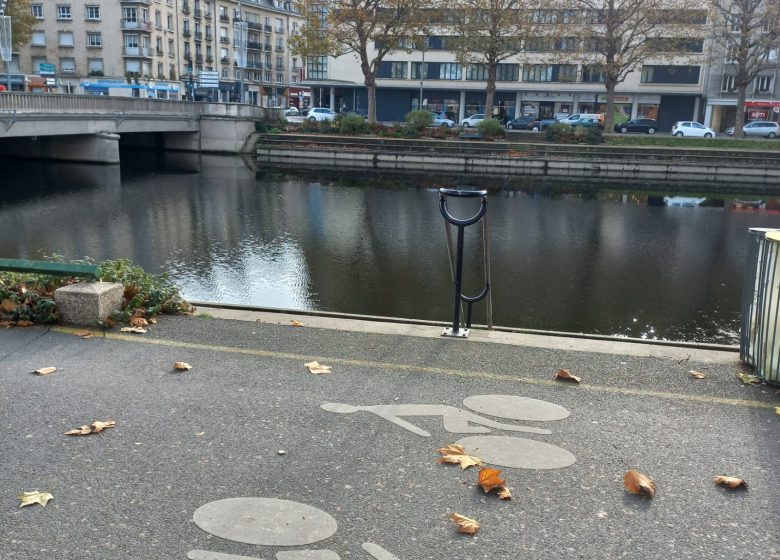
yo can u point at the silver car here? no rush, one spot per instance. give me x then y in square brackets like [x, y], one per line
[767, 129]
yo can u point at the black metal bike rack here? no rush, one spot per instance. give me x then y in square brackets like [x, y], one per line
[455, 330]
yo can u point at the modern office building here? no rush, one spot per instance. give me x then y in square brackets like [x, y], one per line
[171, 49]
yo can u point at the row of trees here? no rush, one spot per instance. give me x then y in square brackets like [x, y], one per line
[620, 35]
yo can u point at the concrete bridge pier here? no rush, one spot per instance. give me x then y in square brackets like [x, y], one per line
[100, 147]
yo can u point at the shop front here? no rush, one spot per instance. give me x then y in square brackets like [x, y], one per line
[762, 111]
[299, 97]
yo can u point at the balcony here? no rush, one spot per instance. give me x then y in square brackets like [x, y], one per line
[209, 36]
[187, 56]
[159, 52]
[185, 8]
[198, 13]
[279, 48]
[267, 28]
[254, 45]
[137, 52]
[186, 33]
[224, 60]
[256, 65]
[224, 17]
[129, 25]
[207, 15]
[279, 67]
[225, 40]
[267, 46]
[209, 58]
[279, 29]
[198, 59]
[198, 35]
[254, 25]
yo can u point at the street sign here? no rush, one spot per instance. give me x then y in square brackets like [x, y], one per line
[46, 69]
[208, 79]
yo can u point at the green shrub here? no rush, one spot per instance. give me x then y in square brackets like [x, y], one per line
[352, 124]
[490, 128]
[593, 135]
[560, 133]
[270, 126]
[419, 119]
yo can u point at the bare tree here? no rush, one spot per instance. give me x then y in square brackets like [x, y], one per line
[748, 31]
[621, 35]
[369, 29]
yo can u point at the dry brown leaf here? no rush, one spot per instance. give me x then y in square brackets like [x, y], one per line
[490, 479]
[316, 368]
[465, 524]
[182, 366]
[697, 374]
[638, 483]
[504, 493]
[98, 426]
[7, 305]
[731, 482]
[82, 431]
[295, 323]
[24, 323]
[109, 322]
[83, 334]
[139, 330]
[6, 324]
[455, 453]
[138, 322]
[29, 498]
[777, 410]
[566, 375]
[152, 321]
[45, 370]
[749, 379]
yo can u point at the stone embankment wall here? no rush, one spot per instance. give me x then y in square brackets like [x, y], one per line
[710, 170]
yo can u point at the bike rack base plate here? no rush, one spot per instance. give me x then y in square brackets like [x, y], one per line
[462, 333]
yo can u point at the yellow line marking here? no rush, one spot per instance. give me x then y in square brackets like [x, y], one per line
[475, 374]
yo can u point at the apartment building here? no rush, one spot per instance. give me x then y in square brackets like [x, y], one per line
[548, 77]
[169, 49]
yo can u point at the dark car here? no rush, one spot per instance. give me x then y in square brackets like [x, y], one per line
[638, 125]
[588, 122]
[541, 124]
[520, 123]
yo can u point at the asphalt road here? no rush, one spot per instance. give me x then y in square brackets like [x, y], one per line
[247, 422]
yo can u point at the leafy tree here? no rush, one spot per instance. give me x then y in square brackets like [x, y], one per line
[748, 31]
[369, 29]
[22, 22]
[619, 36]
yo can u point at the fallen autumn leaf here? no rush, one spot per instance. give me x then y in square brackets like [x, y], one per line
[139, 330]
[45, 370]
[749, 379]
[138, 322]
[295, 323]
[731, 482]
[465, 524]
[697, 374]
[566, 375]
[638, 483]
[490, 479]
[96, 427]
[316, 368]
[29, 498]
[504, 493]
[456, 453]
[8, 306]
[181, 366]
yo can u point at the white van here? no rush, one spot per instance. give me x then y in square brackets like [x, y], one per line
[574, 117]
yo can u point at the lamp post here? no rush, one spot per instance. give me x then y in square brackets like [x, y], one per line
[422, 71]
[240, 45]
[6, 52]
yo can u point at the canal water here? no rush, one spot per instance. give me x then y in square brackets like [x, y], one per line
[601, 261]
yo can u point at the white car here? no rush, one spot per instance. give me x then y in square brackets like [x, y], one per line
[767, 129]
[438, 120]
[320, 114]
[473, 120]
[291, 111]
[692, 128]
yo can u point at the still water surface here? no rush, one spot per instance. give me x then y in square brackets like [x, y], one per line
[600, 262]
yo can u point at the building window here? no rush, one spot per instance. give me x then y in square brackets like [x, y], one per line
[130, 15]
[670, 75]
[38, 39]
[171, 51]
[132, 41]
[549, 72]
[133, 66]
[538, 44]
[280, 78]
[393, 70]
[279, 27]
[94, 39]
[63, 11]
[170, 22]
[92, 12]
[36, 63]
[317, 69]
[157, 19]
[450, 71]
[37, 11]
[763, 84]
[267, 77]
[68, 65]
[504, 72]
[66, 39]
[95, 66]
[592, 74]
[568, 44]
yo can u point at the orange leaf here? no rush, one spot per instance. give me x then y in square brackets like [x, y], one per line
[295, 323]
[638, 483]
[566, 375]
[7, 305]
[490, 479]
[465, 524]
[138, 322]
[731, 482]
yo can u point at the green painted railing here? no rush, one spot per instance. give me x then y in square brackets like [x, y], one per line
[53, 268]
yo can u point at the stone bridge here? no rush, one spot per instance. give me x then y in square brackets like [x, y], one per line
[90, 128]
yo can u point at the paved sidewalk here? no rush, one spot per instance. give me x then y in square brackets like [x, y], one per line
[238, 458]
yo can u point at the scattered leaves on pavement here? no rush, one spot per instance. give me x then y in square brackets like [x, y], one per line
[83, 334]
[95, 428]
[566, 375]
[30, 498]
[748, 379]
[456, 453]
[24, 323]
[731, 482]
[139, 330]
[697, 374]
[465, 524]
[45, 370]
[152, 321]
[638, 483]
[295, 323]
[181, 366]
[138, 322]
[490, 479]
[8, 305]
[316, 368]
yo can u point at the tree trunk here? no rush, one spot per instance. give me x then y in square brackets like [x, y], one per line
[371, 85]
[490, 90]
[609, 116]
[740, 122]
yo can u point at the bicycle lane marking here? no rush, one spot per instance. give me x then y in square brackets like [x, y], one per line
[474, 374]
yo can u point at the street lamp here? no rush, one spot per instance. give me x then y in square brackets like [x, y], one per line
[5, 41]
[422, 71]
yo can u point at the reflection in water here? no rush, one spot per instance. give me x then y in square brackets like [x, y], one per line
[600, 261]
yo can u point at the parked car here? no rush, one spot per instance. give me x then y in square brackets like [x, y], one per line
[438, 120]
[692, 128]
[589, 122]
[291, 111]
[638, 125]
[767, 129]
[541, 124]
[520, 123]
[573, 118]
[320, 114]
[473, 120]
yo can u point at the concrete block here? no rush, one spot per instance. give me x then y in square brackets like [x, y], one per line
[86, 302]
